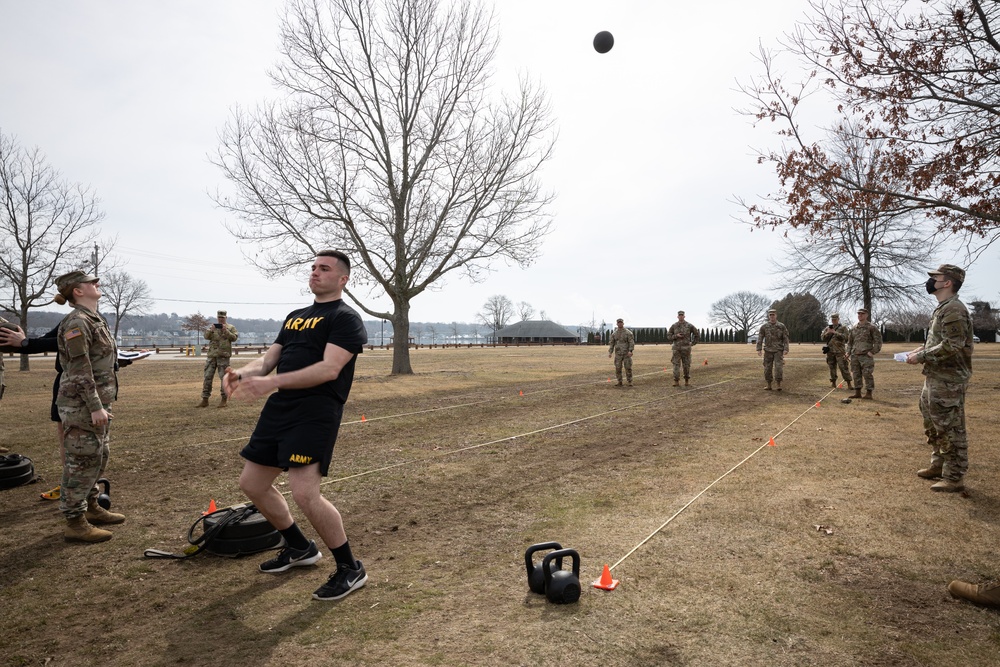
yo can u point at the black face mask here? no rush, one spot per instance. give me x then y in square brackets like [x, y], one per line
[930, 285]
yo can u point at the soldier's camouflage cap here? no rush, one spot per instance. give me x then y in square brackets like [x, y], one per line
[72, 279]
[949, 270]
[680, 312]
[863, 310]
[772, 310]
[619, 320]
[222, 313]
[834, 316]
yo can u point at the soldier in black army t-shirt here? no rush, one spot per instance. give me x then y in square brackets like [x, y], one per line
[314, 355]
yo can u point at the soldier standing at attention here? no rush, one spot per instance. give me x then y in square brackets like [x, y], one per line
[947, 360]
[88, 387]
[682, 336]
[835, 337]
[622, 345]
[220, 336]
[863, 343]
[773, 340]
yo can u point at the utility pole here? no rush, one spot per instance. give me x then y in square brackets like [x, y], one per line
[93, 258]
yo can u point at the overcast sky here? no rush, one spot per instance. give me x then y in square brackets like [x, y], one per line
[129, 97]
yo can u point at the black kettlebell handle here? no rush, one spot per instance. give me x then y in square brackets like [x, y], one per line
[560, 554]
[106, 484]
[529, 565]
[104, 497]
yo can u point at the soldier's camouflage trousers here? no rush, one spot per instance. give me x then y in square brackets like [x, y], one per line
[835, 360]
[942, 405]
[214, 366]
[86, 457]
[681, 357]
[863, 369]
[774, 366]
[622, 359]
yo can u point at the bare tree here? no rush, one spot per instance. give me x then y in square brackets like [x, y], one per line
[921, 75]
[496, 312]
[196, 322]
[742, 311]
[907, 322]
[387, 146]
[125, 294]
[525, 310]
[46, 225]
[870, 248]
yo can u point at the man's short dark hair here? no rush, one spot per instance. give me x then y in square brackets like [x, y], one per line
[338, 255]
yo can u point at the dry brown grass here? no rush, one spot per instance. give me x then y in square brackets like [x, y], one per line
[741, 577]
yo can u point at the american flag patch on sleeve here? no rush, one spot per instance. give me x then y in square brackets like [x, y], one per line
[73, 333]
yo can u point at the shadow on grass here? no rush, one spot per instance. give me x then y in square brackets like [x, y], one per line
[216, 635]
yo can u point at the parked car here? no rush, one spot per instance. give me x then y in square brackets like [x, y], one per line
[975, 339]
[752, 339]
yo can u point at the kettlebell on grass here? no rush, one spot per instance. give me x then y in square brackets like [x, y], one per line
[104, 498]
[562, 586]
[536, 578]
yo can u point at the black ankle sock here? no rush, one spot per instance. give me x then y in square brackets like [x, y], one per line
[294, 537]
[342, 554]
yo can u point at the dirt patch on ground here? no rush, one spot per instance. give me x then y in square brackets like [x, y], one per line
[824, 549]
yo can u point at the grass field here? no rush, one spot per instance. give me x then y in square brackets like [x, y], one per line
[456, 470]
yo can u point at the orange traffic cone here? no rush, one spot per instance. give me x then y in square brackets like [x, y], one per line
[520, 393]
[363, 418]
[817, 404]
[211, 507]
[706, 363]
[606, 583]
[770, 443]
[609, 380]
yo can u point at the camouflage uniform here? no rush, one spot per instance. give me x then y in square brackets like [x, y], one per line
[220, 349]
[684, 336]
[622, 342]
[947, 360]
[836, 356]
[864, 338]
[773, 339]
[2, 385]
[87, 353]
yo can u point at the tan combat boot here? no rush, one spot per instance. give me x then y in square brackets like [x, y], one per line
[677, 382]
[857, 393]
[779, 386]
[99, 516]
[224, 400]
[686, 383]
[930, 473]
[985, 594]
[768, 387]
[78, 530]
[868, 395]
[203, 404]
[833, 383]
[948, 486]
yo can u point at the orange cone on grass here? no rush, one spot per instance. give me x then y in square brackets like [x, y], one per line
[211, 507]
[606, 583]
[817, 404]
[706, 363]
[770, 443]
[363, 418]
[520, 393]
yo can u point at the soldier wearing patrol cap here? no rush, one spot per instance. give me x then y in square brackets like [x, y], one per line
[88, 387]
[773, 341]
[947, 361]
[682, 336]
[863, 343]
[835, 337]
[220, 336]
[622, 345]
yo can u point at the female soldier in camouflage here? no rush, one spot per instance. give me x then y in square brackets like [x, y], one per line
[88, 386]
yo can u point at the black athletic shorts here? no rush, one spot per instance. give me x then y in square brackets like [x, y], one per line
[295, 432]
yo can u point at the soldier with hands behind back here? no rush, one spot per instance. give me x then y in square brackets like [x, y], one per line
[621, 348]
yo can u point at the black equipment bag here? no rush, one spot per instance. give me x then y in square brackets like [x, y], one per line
[231, 531]
[15, 470]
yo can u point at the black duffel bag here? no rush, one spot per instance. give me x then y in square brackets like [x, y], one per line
[231, 531]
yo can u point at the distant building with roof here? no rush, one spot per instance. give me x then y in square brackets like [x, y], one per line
[536, 331]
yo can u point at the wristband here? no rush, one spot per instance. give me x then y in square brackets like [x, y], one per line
[239, 377]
